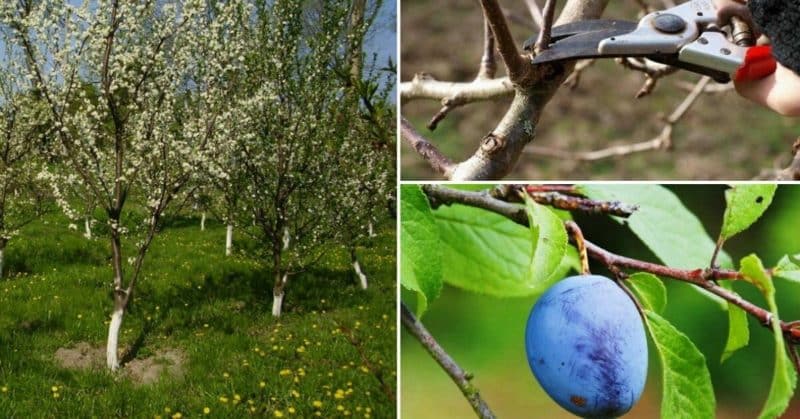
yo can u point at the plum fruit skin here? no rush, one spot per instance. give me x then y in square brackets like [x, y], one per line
[586, 345]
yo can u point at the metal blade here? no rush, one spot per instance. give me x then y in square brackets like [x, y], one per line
[576, 28]
[580, 46]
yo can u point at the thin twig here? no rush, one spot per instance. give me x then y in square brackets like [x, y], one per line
[516, 66]
[661, 141]
[488, 66]
[580, 243]
[438, 161]
[590, 206]
[461, 378]
[549, 13]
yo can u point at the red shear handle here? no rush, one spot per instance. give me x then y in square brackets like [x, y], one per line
[758, 63]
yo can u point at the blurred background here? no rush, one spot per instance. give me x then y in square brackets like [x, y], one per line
[485, 335]
[722, 137]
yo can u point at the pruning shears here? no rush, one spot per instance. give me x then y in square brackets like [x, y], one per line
[685, 36]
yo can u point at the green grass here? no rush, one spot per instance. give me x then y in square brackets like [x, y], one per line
[334, 344]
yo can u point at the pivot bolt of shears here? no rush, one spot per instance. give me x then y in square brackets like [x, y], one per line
[669, 23]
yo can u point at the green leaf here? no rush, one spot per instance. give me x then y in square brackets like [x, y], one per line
[788, 268]
[738, 330]
[784, 378]
[549, 241]
[666, 227]
[487, 253]
[746, 204]
[651, 291]
[687, 390]
[420, 256]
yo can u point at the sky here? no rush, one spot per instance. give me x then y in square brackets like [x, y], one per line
[383, 39]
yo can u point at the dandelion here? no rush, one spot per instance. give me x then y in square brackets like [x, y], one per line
[225, 374]
[285, 372]
[56, 395]
[177, 415]
[262, 384]
[4, 389]
[54, 389]
[295, 393]
[317, 404]
[223, 399]
[340, 408]
[278, 414]
[206, 410]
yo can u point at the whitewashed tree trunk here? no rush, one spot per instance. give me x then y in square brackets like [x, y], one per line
[371, 230]
[87, 227]
[287, 238]
[229, 240]
[362, 278]
[113, 339]
[277, 303]
[2, 260]
[203, 222]
[277, 297]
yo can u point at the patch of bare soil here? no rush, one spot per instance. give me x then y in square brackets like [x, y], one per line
[165, 362]
[81, 357]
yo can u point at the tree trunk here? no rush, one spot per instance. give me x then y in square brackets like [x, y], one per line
[203, 221]
[120, 300]
[87, 227]
[277, 294]
[357, 268]
[229, 240]
[371, 230]
[287, 238]
[113, 336]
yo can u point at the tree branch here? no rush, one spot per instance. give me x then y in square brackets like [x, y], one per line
[701, 277]
[428, 151]
[460, 377]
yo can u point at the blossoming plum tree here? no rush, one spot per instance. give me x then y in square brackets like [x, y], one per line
[161, 71]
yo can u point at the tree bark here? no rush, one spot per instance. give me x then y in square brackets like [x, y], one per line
[229, 240]
[203, 221]
[287, 238]
[371, 229]
[120, 299]
[87, 227]
[357, 268]
[278, 293]
[112, 360]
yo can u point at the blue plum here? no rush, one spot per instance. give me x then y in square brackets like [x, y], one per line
[587, 347]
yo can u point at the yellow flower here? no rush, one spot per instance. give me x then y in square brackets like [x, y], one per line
[4, 389]
[291, 409]
[262, 384]
[295, 393]
[225, 374]
[206, 410]
[177, 415]
[167, 410]
[56, 395]
[340, 408]
[285, 372]
[237, 397]
[54, 389]
[317, 404]
[223, 399]
[278, 414]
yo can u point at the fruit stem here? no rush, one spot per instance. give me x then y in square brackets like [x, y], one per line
[580, 242]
